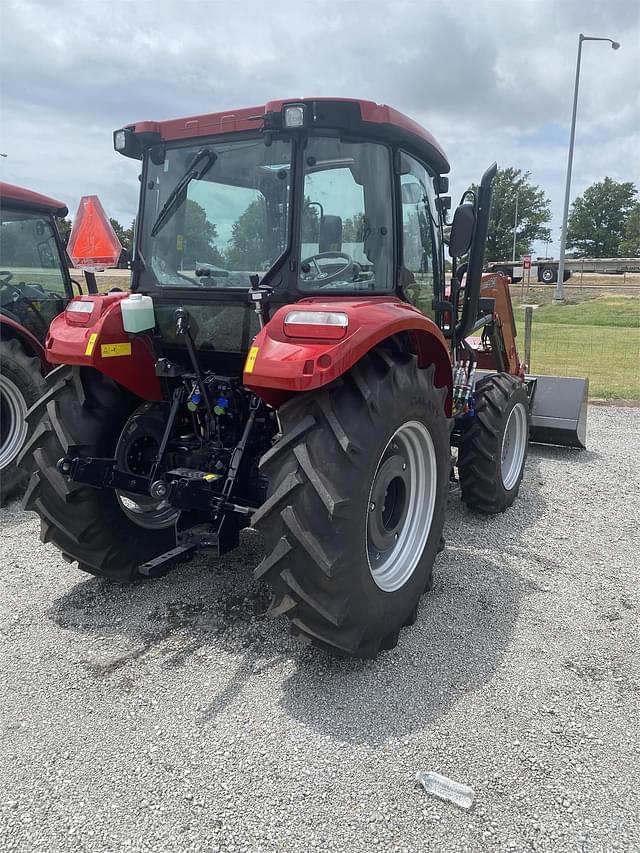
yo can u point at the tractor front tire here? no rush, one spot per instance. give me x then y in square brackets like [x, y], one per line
[21, 384]
[493, 448]
[83, 413]
[357, 491]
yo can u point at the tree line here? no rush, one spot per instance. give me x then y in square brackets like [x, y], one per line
[604, 222]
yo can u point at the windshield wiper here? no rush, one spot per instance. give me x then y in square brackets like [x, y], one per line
[174, 199]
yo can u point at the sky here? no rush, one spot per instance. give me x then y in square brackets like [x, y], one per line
[492, 80]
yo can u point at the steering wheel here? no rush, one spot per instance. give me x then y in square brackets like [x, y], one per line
[312, 261]
[5, 278]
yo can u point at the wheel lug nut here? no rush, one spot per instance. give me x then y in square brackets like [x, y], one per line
[404, 467]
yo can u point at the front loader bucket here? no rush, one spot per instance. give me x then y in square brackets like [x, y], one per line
[558, 410]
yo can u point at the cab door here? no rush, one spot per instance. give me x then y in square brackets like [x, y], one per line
[420, 251]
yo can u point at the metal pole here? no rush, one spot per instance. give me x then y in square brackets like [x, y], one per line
[528, 319]
[515, 230]
[559, 292]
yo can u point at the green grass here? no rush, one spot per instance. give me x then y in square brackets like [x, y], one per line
[621, 311]
[599, 339]
[105, 282]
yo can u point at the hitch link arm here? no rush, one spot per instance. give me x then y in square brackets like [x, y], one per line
[236, 458]
[178, 399]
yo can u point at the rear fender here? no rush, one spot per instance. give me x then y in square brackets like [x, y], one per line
[11, 329]
[98, 339]
[279, 365]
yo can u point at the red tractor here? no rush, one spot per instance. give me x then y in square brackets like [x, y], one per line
[34, 288]
[289, 357]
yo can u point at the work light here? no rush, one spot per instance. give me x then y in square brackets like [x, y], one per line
[120, 140]
[294, 116]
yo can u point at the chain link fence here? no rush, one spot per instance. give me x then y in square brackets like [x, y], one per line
[595, 333]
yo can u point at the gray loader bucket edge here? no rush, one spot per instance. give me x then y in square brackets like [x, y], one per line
[558, 408]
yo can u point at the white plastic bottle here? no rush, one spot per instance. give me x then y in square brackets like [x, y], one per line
[446, 789]
[137, 313]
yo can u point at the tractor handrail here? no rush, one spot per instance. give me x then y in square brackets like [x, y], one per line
[476, 256]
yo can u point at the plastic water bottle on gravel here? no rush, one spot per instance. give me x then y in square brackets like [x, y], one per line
[446, 789]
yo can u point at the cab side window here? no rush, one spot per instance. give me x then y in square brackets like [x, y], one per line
[29, 254]
[418, 271]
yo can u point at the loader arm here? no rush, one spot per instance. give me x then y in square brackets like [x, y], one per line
[493, 336]
[497, 348]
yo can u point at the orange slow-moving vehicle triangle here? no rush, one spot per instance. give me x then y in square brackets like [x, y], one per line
[93, 242]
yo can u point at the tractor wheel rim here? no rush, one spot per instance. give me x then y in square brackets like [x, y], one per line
[514, 445]
[13, 427]
[145, 511]
[401, 506]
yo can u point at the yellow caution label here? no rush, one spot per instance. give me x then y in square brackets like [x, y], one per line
[180, 242]
[251, 359]
[90, 344]
[111, 350]
[210, 477]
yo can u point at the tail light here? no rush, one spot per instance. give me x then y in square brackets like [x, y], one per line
[327, 325]
[80, 311]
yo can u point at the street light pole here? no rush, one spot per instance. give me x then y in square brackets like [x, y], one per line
[559, 294]
[515, 229]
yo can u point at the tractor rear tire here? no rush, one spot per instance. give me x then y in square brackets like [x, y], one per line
[83, 413]
[21, 384]
[379, 434]
[493, 449]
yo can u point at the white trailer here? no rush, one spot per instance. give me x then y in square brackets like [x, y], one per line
[605, 266]
[544, 270]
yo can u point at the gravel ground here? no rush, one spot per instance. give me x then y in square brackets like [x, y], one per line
[174, 717]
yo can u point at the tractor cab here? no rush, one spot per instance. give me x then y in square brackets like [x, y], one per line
[317, 199]
[34, 275]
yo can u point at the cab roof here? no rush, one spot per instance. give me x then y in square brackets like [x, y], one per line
[347, 113]
[21, 197]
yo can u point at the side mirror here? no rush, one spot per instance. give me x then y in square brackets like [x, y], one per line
[330, 234]
[462, 227]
